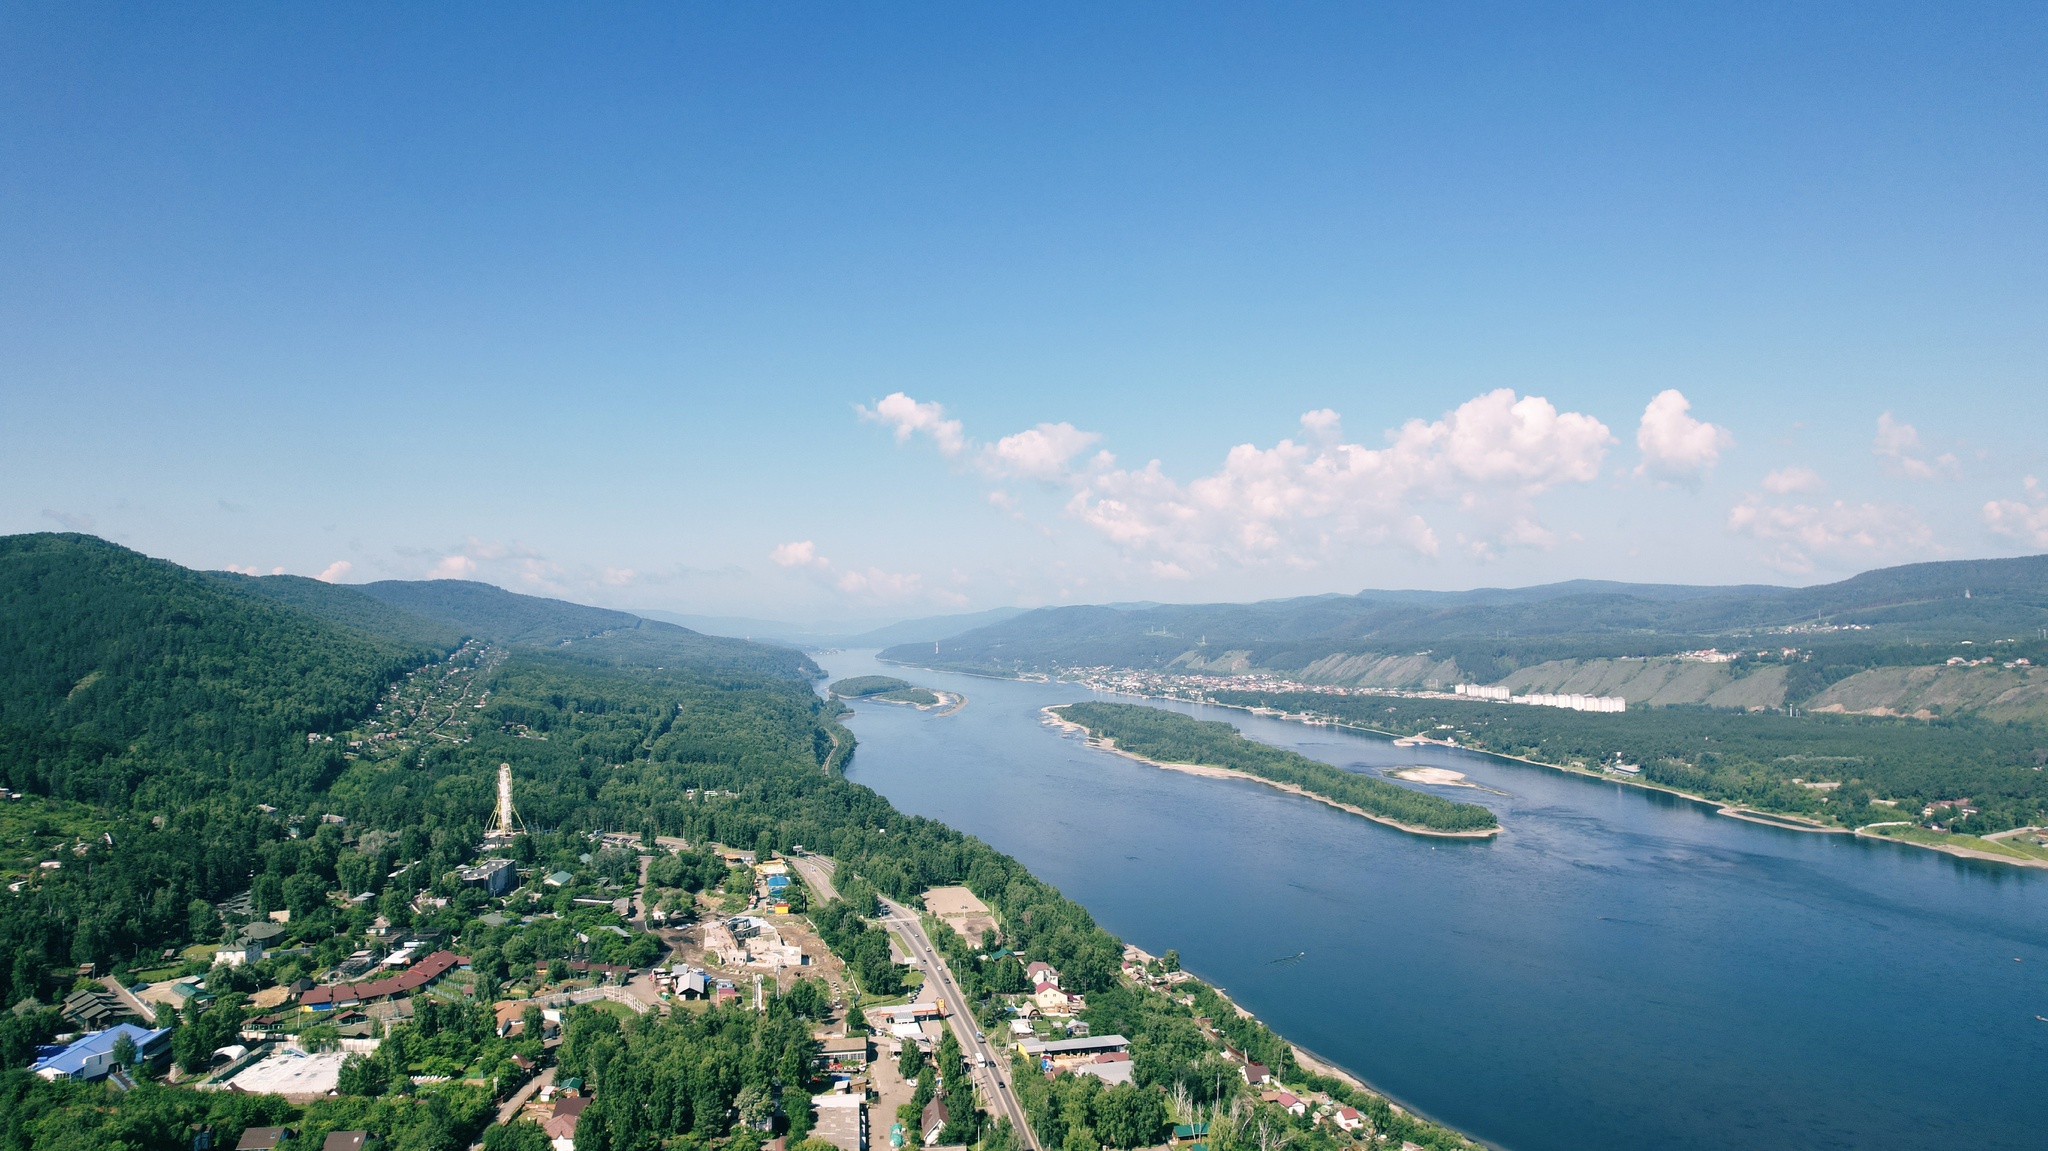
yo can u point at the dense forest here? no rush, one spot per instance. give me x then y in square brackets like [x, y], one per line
[1767, 760]
[1170, 737]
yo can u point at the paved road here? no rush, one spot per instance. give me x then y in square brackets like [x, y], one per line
[816, 871]
[994, 1077]
[640, 896]
[146, 1010]
[511, 1108]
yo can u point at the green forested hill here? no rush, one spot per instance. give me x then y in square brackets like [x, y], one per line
[129, 679]
[597, 635]
[172, 703]
[494, 614]
[350, 607]
[1901, 616]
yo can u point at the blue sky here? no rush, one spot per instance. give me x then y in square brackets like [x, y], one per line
[612, 303]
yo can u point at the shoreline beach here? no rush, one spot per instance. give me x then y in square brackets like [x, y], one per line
[1213, 772]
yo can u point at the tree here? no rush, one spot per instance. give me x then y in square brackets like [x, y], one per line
[911, 1062]
[755, 1107]
[360, 1075]
[1128, 1115]
[1170, 960]
[1006, 976]
[124, 1051]
[522, 1135]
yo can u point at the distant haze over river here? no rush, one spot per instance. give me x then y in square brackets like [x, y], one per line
[1619, 970]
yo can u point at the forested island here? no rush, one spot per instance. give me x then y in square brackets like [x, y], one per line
[884, 687]
[1168, 737]
[263, 785]
[1934, 783]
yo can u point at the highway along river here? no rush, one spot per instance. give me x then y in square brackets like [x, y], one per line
[1620, 969]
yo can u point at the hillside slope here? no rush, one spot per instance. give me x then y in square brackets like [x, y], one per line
[1545, 638]
[125, 674]
[597, 635]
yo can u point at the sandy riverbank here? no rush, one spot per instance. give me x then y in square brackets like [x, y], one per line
[1213, 772]
[947, 702]
[1747, 815]
[1955, 849]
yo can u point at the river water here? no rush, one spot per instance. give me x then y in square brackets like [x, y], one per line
[1620, 969]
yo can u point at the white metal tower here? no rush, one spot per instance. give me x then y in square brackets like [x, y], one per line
[505, 821]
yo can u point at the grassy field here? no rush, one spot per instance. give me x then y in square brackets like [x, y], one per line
[1929, 838]
[33, 829]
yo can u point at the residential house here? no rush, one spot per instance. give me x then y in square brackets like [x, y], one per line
[1286, 1100]
[348, 1141]
[330, 996]
[1050, 999]
[263, 1138]
[1349, 1119]
[261, 932]
[1255, 1074]
[842, 1120]
[842, 1052]
[1112, 1067]
[562, 1124]
[1040, 972]
[934, 1120]
[237, 953]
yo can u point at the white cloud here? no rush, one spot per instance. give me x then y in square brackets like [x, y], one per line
[797, 554]
[1788, 480]
[871, 583]
[453, 567]
[2026, 522]
[1899, 445]
[1042, 453]
[618, 577]
[1293, 501]
[874, 583]
[909, 417]
[1676, 447]
[335, 571]
[1802, 536]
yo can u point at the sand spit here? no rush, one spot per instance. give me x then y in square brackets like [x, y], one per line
[1213, 772]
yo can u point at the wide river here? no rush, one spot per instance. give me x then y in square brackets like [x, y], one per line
[1621, 969]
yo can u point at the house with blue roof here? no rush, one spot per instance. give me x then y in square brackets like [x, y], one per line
[92, 1057]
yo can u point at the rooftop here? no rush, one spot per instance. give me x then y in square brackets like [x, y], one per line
[96, 1050]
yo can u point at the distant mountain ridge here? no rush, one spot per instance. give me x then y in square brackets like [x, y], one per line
[924, 629]
[1418, 639]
